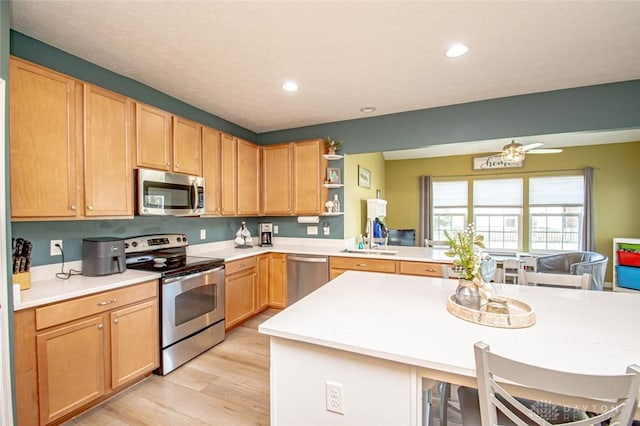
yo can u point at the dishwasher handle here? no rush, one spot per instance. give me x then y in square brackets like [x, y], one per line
[308, 259]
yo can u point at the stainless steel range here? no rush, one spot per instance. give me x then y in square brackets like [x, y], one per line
[191, 296]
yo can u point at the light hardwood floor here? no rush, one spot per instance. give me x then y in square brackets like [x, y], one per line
[227, 385]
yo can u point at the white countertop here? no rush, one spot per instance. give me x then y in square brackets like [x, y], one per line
[50, 290]
[46, 288]
[404, 319]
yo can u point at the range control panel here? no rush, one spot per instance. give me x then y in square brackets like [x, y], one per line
[154, 242]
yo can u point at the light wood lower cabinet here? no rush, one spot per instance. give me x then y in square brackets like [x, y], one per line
[426, 269]
[240, 302]
[73, 354]
[263, 281]
[278, 280]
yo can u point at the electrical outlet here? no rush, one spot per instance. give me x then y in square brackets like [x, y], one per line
[53, 250]
[203, 234]
[325, 229]
[335, 397]
[312, 230]
[275, 229]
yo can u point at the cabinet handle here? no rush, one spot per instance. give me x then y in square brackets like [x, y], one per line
[107, 302]
[100, 326]
[168, 163]
[362, 265]
[89, 207]
[177, 166]
[431, 270]
[115, 321]
[74, 208]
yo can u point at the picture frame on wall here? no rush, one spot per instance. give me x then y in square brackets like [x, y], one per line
[333, 175]
[364, 177]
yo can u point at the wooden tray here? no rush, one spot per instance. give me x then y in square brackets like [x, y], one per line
[520, 315]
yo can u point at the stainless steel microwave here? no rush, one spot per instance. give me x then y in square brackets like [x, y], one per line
[169, 194]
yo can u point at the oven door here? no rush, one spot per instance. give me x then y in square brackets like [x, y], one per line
[169, 194]
[191, 303]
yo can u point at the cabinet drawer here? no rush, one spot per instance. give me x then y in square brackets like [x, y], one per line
[363, 264]
[62, 312]
[240, 265]
[421, 268]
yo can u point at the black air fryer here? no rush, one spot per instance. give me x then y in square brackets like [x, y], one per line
[103, 256]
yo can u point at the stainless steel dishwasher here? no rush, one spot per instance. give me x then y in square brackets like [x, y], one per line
[305, 273]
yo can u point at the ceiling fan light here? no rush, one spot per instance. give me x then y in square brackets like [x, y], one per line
[513, 152]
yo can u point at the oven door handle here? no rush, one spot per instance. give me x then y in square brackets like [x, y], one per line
[191, 276]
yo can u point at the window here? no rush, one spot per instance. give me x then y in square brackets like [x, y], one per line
[497, 210]
[449, 208]
[555, 210]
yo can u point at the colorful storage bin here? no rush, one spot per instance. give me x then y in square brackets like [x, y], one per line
[628, 277]
[628, 258]
[629, 247]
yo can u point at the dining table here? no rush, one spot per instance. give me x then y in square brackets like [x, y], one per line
[386, 338]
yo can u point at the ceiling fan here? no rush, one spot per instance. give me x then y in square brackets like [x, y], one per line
[513, 151]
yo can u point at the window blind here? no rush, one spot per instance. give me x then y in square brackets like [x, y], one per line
[558, 190]
[450, 194]
[497, 192]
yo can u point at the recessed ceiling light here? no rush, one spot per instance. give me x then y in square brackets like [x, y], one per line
[367, 110]
[290, 86]
[457, 50]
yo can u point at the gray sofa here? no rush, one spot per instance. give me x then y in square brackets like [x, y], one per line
[576, 263]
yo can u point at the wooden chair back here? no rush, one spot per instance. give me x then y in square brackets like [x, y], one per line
[556, 280]
[618, 393]
[510, 271]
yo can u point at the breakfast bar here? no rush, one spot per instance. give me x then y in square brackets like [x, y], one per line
[382, 338]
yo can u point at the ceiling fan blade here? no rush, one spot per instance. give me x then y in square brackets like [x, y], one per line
[545, 151]
[532, 146]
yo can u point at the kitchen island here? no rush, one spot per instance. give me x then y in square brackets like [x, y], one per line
[383, 337]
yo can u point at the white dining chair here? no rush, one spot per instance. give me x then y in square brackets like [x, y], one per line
[614, 396]
[510, 271]
[555, 280]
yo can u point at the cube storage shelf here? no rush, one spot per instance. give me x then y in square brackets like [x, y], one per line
[626, 264]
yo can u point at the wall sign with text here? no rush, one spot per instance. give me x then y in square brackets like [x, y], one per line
[494, 162]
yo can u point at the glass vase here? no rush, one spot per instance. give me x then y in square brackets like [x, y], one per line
[467, 294]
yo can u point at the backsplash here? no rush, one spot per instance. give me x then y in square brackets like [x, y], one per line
[217, 229]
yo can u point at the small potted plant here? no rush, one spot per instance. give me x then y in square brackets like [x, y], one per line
[467, 250]
[332, 145]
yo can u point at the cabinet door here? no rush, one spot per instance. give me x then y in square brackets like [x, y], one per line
[276, 179]
[153, 138]
[278, 280]
[229, 177]
[134, 342]
[107, 155]
[211, 167]
[42, 142]
[71, 367]
[240, 299]
[187, 147]
[308, 170]
[248, 178]
[263, 281]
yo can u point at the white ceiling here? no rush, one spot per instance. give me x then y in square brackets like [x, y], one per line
[229, 58]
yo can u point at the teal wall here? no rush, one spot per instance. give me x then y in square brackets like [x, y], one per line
[218, 229]
[602, 107]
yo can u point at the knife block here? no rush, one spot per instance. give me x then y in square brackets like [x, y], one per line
[24, 279]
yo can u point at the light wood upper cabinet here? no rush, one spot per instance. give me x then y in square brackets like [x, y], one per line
[187, 146]
[277, 179]
[153, 138]
[229, 174]
[248, 178]
[309, 167]
[44, 141]
[211, 170]
[107, 153]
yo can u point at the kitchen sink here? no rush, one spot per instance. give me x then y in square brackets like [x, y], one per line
[374, 250]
